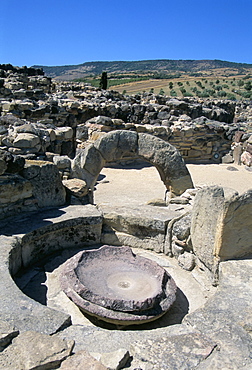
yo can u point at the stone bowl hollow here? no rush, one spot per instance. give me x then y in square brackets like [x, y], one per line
[117, 286]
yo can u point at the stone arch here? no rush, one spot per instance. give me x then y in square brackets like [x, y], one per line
[120, 144]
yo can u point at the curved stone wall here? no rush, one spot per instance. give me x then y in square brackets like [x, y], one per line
[120, 144]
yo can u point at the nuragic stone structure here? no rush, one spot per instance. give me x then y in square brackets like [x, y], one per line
[54, 141]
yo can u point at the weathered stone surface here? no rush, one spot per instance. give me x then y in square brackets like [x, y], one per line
[141, 227]
[186, 261]
[62, 161]
[168, 162]
[14, 188]
[32, 350]
[49, 230]
[206, 214]
[175, 352]
[181, 228]
[234, 231]
[82, 360]
[226, 317]
[46, 182]
[26, 140]
[87, 165]
[117, 145]
[76, 187]
[246, 158]
[63, 133]
[113, 360]
[7, 333]
[157, 203]
[96, 339]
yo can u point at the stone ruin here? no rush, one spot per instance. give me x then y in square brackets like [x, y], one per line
[55, 140]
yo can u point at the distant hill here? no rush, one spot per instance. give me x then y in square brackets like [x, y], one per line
[164, 66]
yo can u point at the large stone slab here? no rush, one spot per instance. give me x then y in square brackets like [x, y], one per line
[206, 216]
[32, 350]
[234, 233]
[174, 352]
[221, 226]
[226, 317]
[140, 227]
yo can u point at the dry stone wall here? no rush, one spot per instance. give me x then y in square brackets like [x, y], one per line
[39, 117]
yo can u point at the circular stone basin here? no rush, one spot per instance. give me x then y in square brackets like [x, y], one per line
[115, 285]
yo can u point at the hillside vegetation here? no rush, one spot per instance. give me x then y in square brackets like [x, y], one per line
[202, 78]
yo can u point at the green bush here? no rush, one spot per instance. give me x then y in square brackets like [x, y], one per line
[221, 94]
[231, 96]
[173, 93]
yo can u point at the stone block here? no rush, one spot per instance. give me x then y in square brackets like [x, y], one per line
[234, 231]
[87, 165]
[141, 227]
[63, 133]
[82, 360]
[32, 350]
[73, 227]
[14, 188]
[221, 227]
[26, 140]
[168, 161]
[62, 161]
[246, 158]
[117, 145]
[206, 216]
[172, 352]
[3, 166]
[76, 187]
[46, 182]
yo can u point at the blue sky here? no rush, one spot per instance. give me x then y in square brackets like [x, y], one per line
[62, 32]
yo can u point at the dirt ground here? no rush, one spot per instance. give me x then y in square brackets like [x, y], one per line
[128, 185]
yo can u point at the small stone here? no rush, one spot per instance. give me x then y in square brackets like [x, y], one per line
[76, 187]
[81, 360]
[179, 200]
[157, 203]
[62, 161]
[113, 360]
[187, 261]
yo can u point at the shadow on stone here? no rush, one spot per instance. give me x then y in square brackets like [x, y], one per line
[32, 283]
[27, 222]
[174, 316]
